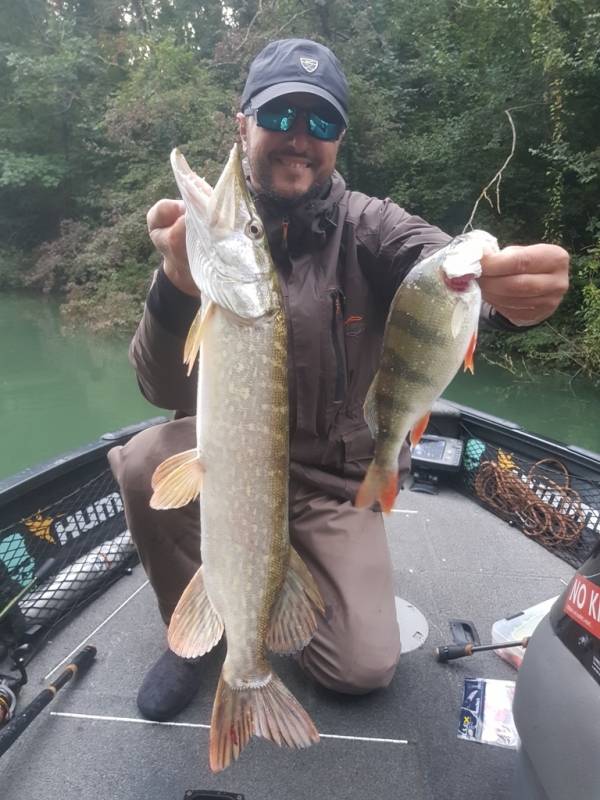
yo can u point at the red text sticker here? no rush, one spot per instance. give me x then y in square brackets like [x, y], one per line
[583, 604]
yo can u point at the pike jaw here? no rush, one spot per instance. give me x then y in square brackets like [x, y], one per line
[226, 244]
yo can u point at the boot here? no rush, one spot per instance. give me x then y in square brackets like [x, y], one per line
[169, 686]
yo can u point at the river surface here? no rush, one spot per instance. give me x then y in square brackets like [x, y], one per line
[59, 391]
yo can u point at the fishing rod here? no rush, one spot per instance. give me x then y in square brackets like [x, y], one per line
[10, 685]
[11, 732]
[38, 575]
[449, 652]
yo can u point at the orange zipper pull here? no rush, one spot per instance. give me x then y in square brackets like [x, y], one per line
[284, 229]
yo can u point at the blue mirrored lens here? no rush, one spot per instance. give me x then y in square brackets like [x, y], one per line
[321, 128]
[275, 120]
[282, 120]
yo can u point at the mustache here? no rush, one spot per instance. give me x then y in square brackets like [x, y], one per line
[289, 151]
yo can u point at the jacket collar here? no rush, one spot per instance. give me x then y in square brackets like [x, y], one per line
[305, 228]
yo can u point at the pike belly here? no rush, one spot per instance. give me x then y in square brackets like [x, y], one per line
[242, 434]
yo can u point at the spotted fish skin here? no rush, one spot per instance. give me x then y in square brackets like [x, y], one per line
[431, 329]
[252, 585]
[243, 436]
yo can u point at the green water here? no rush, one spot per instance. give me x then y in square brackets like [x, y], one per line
[549, 404]
[58, 391]
[61, 391]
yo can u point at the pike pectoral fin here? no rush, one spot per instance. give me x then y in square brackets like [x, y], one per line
[177, 481]
[380, 485]
[195, 626]
[419, 428]
[268, 710]
[293, 620]
[469, 362]
[194, 337]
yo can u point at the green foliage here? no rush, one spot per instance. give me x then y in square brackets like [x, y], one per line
[14, 263]
[18, 171]
[95, 93]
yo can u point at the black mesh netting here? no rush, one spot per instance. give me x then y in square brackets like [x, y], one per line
[557, 508]
[84, 534]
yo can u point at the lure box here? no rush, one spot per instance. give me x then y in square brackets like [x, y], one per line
[518, 626]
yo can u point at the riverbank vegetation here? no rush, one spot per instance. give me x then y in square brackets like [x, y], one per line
[95, 93]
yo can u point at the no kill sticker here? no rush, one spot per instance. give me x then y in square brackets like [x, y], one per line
[583, 604]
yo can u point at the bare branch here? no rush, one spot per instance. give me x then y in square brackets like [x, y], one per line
[291, 19]
[497, 179]
[252, 21]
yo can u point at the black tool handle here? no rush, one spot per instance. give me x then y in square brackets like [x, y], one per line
[21, 721]
[448, 652]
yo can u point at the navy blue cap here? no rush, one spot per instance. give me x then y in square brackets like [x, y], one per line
[296, 65]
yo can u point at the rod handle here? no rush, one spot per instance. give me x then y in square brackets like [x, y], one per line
[11, 732]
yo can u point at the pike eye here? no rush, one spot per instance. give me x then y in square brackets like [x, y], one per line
[254, 229]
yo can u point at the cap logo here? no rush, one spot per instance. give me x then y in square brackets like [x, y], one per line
[309, 64]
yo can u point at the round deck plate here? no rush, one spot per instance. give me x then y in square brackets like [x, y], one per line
[414, 629]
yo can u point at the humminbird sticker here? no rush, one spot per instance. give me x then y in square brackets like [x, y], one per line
[583, 604]
[73, 525]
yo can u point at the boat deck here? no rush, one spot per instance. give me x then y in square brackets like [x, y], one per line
[452, 559]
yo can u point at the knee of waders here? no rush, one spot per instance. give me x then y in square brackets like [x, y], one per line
[353, 673]
[364, 675]
[133, 464]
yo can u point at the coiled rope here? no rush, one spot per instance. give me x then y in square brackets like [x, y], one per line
[545, 510]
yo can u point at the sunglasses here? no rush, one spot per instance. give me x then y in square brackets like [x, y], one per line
[281, 119]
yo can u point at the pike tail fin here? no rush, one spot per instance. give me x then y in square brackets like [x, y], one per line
[268, 710]
[379, 484]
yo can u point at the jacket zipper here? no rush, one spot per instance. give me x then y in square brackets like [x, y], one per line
[285, 224]
[337, 298]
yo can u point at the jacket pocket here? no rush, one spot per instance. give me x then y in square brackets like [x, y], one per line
[358, 449]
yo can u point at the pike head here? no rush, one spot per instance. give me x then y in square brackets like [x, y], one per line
[225, 238]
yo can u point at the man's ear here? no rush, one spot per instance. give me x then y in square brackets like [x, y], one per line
[242, 122]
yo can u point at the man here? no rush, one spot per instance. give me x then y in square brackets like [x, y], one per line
[340, 256]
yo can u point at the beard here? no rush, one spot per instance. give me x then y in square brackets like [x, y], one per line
[260, 176]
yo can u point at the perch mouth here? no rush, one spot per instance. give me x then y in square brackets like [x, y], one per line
[460, 284]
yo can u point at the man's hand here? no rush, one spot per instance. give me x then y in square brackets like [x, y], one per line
[166, 226]
[525, 284]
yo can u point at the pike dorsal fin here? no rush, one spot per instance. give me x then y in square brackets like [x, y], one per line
[294, 619]
[195, 626]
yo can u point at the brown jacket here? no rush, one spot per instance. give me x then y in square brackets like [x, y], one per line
[340, 264]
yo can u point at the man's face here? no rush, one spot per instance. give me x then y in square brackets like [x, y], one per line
[288, 165]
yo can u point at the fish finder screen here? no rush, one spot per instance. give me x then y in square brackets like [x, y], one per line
[430, 450]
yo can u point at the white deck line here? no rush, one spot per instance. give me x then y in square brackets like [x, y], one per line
[89, 636]
[137, 721]
[403, 511]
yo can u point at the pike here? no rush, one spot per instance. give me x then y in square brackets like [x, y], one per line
[431, 328]
[252, 585]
